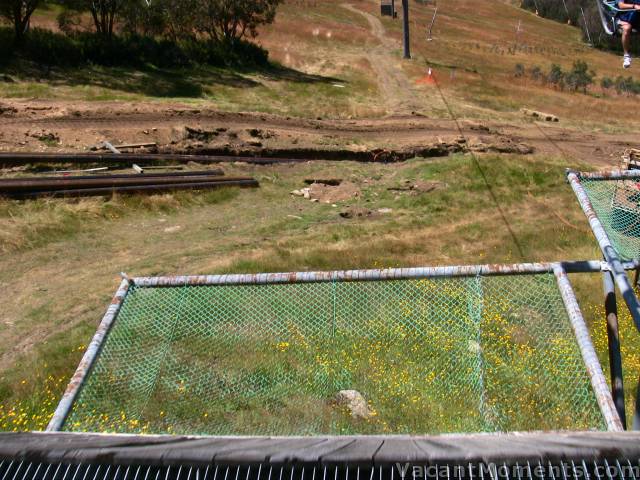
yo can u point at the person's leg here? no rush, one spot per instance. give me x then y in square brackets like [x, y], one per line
[627, 29]
[626, 37]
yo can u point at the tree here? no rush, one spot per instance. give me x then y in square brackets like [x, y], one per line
[536, 73]
[580, 77]
[556, 76]
[18, 12]
[231, 20]
[103, 13]
[179, 18]
[605, 84]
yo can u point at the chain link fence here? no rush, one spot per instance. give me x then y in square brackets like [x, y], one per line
[435, 355]
[617, 204]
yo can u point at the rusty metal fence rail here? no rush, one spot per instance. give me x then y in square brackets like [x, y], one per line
[431, 350]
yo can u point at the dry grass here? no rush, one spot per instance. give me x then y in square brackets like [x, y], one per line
[62, 258]
[29, 224]
[60, 284]
[475, 39]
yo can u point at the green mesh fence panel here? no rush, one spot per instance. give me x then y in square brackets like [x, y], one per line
[429, 356]
[617, 204]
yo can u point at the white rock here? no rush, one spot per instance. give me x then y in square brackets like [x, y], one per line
[354, 402]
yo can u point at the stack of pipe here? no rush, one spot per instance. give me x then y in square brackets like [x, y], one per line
[21, 158]
[78, 186]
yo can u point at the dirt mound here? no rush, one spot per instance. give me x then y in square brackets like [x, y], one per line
[332, 194]
[249, 142]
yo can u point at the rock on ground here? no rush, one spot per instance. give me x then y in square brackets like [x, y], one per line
[354, 402]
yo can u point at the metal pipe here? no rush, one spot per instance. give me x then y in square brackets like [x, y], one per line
[607, 175]
[111, 148]
[610, 254]
[75, 384]
[16, 159]
[613, 339]
[433, 21]
[70, 183]
[87, 192]
[216, 172]
[586, 26]
[589, 356]
[375, 274]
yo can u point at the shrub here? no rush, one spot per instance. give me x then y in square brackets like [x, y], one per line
[536, 73]
[622, 84]
[580, 77]
[48, 48]
[606, 83]
[55, 49]
[556, 76]
[7, 41]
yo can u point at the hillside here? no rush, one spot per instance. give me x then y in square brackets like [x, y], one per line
[461, 176]
[320, 43]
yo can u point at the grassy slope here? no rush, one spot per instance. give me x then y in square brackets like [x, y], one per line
[302, 85]
[474, 39]
[62, 258]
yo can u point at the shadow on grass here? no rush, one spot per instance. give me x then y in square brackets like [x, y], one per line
[155, 82]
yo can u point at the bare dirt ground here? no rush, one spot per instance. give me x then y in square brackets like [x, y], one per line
[57, 126]
[394, 85]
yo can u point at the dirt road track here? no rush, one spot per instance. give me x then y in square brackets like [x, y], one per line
[83, 124]
[394, 85]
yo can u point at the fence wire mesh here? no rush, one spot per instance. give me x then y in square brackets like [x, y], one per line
[428, 356]
[617, 204]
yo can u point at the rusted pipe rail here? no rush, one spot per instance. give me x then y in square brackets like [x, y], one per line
[380, 274]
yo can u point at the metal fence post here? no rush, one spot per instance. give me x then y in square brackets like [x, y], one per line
[613, 340]
[405, 19]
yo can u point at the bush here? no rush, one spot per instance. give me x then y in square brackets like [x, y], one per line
[48, 48]
[606, 83]
[7, 39]
[626, 85]
[536, 73]
[556, 76]
[580, 77]
[55, 49]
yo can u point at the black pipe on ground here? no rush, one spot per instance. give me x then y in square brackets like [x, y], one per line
[86, 192]
[31, 184]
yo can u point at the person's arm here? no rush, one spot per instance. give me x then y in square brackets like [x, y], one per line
[623, 5]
